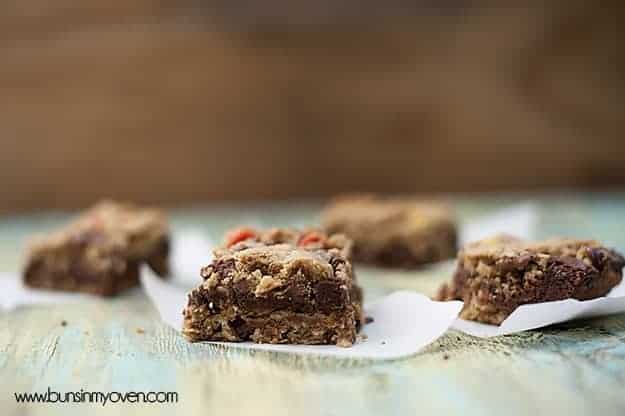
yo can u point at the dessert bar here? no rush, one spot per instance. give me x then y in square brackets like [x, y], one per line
[101, 251]
[278, 286]
[393, 232]
[495, 276]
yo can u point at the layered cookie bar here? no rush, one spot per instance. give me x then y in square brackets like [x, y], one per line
[497, 275]
[393, 232]
[101, 251]
[278, 286]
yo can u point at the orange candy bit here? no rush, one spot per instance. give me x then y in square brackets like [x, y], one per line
[238, 235]
[310, 238]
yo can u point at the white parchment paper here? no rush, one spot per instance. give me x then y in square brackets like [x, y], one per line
[539, 315]
[403, 323]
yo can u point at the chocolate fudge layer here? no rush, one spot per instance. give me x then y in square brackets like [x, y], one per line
[496, 275]
[277, 287]
[393, 232]
[101, 251]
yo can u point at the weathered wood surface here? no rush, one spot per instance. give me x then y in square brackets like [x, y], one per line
[92, 89]
[120, 345]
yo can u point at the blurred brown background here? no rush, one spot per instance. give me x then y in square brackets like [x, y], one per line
[190, 101]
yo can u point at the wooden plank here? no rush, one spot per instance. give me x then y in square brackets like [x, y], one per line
[92, 91]
[119, 345]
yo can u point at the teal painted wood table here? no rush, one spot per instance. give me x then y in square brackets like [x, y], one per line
[120, 345]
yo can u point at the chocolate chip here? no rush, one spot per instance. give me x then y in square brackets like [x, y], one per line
[299, 295]
[617, 261]
[330, 295]
[336, 262]
[614, 260]
[221, 267]
[597, 257]
[241, 327]
[294, 298]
